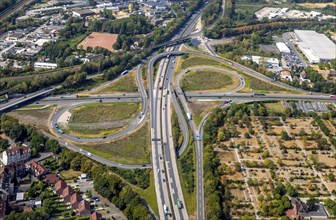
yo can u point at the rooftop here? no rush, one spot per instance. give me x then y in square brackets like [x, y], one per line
[319, 44]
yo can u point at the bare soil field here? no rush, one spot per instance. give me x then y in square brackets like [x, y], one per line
[103, 40]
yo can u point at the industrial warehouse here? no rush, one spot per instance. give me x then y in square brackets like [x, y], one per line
[316, 47]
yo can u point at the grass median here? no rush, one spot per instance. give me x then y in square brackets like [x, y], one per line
[101, 119]
[208, 80]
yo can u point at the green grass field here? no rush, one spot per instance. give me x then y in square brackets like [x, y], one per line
[276, 107]
[99, 119]
[206, 80]
[125, 84]
[253, 84]
[195, 60]
[149, 194]
[133, 149]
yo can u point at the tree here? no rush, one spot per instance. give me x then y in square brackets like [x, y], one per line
[285, 136]
[331, 176]
[3, 144]
[311, 204]
[53, 146]
[17, 132]
[247, 135]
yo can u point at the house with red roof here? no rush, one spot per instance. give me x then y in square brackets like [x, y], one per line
[84, 208]
[59, 187]
[37, 169]
[67, 193]
[51, 178]
[75, 200]
[96, 216]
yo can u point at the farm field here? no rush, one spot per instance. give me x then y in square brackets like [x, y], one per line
[100, 119]
[132, 149]
[104, 40]
[215, 81]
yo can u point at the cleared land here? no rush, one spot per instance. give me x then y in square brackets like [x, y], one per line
[201, 109]
[133, 149]
[103, 40]
[33, 116]
[100, 119]
[125, 84]
[202, 80]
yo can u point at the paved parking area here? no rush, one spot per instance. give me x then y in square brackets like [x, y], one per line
[309, 106]
[102, 205]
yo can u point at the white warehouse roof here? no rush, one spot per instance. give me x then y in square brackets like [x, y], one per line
[318, 45]
[282, 47]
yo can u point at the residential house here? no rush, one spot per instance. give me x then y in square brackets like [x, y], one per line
[75, 200]
[67, 193]
[96, 216]
[59, 187]
[51, 178]
[15, 154]
[84, 208]
[300, 211]
[286, 75]
[37, 169]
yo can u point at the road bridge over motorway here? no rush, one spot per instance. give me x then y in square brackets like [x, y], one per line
[204, 96]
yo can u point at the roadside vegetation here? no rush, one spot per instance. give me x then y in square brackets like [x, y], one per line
[133, 149]
[125, 84]
[187, 165]
[196, 60]
[215, 80]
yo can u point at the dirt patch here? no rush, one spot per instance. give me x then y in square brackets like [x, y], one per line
[103, 40]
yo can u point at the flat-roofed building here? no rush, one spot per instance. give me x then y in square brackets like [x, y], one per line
[316, 47]
[43, 65]
[282, 47]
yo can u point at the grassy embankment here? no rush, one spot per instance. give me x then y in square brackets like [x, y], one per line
[133, 149]
[125, 84]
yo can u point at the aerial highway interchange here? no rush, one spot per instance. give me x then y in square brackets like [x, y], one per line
[164, 93]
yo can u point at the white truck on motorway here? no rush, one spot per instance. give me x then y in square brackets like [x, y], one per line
[189, 116]
[165, 209]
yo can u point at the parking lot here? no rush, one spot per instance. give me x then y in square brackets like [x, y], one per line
[309, 106]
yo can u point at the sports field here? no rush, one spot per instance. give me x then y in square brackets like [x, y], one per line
[103, 40]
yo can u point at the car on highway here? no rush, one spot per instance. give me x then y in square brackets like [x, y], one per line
[158, 170]
[89, 154]
[80, 149]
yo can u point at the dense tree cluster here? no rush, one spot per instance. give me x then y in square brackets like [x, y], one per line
[6, 4]
[133, 25]
[19, 132]
[212, 12]
[187, 170]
